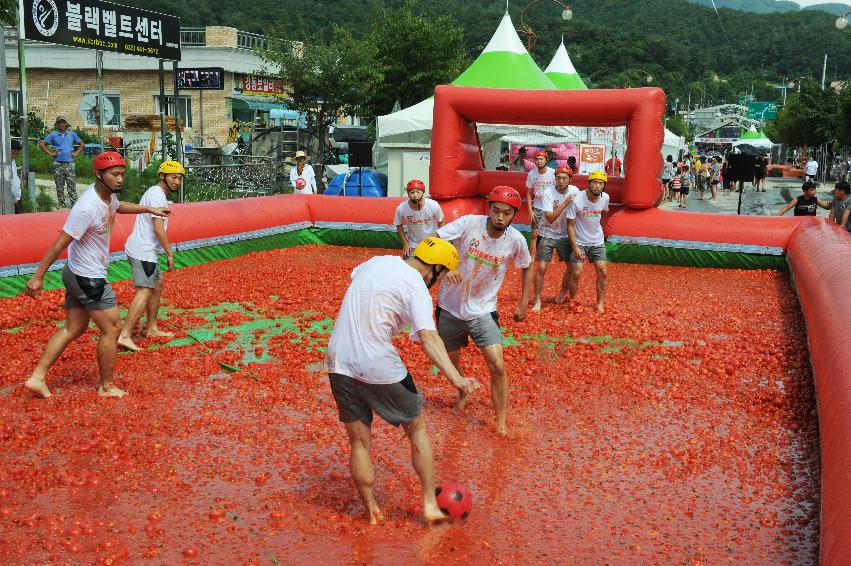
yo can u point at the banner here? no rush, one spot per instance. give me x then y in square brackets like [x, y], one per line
[762, 111]
[256, 85]
[591, 158]
[93, 24]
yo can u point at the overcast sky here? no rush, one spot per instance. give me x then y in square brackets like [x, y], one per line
[811, 2]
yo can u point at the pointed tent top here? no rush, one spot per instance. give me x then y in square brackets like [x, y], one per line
[562, 72]
[753, 134]
[505, 63]
[505, 38]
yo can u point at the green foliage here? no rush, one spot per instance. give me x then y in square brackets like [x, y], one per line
[843, 117]
[86, 136]
[679, 127]
[9, 12]
[808, 119]
[35, 125]
[757, 6]
[43, 201]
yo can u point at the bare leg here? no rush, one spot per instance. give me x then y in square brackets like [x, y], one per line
[499, 384]
[573, 279]
[540, 273]
[423, 460]
[602, 284]
[137, 306]
[76, 322]
[109, 323]
[455, 357]
[153, 311]
[533, 244]
[360, 438]
[565, 284]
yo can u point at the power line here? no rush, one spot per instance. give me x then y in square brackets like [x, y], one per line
[727, 37]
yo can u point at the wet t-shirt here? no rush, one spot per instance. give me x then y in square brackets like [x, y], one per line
[806, 206]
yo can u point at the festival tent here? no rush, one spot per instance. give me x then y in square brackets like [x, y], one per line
[754, 138]
[562, 72]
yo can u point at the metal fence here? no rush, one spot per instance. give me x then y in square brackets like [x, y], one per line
[242, 176]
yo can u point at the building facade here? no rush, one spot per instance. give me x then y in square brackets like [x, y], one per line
[62, 81]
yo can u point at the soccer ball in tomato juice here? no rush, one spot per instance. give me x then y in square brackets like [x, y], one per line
[454, 499]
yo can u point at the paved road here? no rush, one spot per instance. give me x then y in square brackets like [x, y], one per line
[779, 191]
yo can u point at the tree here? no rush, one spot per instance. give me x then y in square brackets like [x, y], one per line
[9, 12]
[679, 127]
[843, 117]
[327, 80]
[414, 53]
[808, 119]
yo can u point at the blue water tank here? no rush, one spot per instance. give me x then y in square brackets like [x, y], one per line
[361, 182]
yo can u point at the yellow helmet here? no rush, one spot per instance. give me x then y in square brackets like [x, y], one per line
[435, 251]
[598, 176]
[171, 167]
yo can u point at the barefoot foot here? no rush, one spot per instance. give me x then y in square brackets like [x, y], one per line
[432, 514]
[560, 298]
[537, 306]
[461, 402]
[127, 342]
[157, 333]
[37, 387]
[501, 429]
[374, 515]
[600, 308]
[110, 391]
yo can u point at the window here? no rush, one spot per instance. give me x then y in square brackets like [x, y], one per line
[111, 108]
[185, 108]
[14, 99]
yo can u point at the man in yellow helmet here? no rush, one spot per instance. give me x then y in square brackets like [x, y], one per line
[366, 373]
[584, 225]
[142, 248]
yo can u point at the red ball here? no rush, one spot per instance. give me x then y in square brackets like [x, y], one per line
[454, 499]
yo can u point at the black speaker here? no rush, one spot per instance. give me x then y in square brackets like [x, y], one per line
[360, 154]
[741, 167]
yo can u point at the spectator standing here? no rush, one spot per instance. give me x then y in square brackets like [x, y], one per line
[518, 161]
[840, 206]
[62, 141]
[667, 175]
[686, 181]
[16, 181]
[302, 170]
[760, 169]
[812, 169]
[618, 165]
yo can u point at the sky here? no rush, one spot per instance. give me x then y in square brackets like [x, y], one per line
[811, 2]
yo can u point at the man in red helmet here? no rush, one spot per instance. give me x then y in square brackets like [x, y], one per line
[467, 306]
[416, 218]
[88, 294]
[538, 181]
[553, 232]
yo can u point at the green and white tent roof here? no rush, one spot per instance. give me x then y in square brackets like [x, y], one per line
[754, 134]
[562, 72]
[504, 63]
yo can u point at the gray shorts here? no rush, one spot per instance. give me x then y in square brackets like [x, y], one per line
[92, 294]
[454, 332]
[593, 253]
[547, 245]
[537, 215]
[145, 273]
[396, 403]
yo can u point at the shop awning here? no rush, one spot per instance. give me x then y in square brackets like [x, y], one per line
[252, 103]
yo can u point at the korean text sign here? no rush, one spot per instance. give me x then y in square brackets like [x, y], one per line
[93, 24]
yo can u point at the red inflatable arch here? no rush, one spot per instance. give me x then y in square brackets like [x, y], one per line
[457, 169]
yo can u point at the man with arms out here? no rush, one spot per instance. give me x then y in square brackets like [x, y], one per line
[537, 182]
[147, 240]
[553, 232]
[62, 140]
[840, 207]
[467, 299]
[422, 217]
[806, 204]
[586, 234]
[366, 372]
[88, 295]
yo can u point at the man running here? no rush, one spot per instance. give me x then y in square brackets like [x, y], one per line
[365, 370]
[586, 234]
[537, 182]
[467, 306]
[88, 295]
[420, 215]
[553, 232]
[144, 244]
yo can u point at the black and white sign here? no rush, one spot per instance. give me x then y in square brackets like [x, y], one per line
[212, 78]
[93, 24]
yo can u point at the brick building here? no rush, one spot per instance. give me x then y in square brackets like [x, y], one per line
[60, 77]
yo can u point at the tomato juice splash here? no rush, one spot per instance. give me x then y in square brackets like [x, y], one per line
[678, 427]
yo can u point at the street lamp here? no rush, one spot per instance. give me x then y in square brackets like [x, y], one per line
[648, 76]
[566, 15]
[842, 21]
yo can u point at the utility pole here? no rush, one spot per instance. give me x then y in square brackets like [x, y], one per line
[824, 71]
[23, 108]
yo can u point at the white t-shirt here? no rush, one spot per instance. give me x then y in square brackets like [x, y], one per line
[90, 224]
[588, 228]
[484, 261]
[142, 243]
[16, 181]
[552, 198]
[538, 183]
[419, 223]
[812, 167]
[309, 177]
[385, 295]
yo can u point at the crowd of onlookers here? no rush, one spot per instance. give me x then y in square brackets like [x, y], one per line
[705, 174]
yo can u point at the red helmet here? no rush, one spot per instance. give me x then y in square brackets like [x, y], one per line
[106, 160]
[564, 169]
[505, 195]
[541, 153]
[415, 184]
